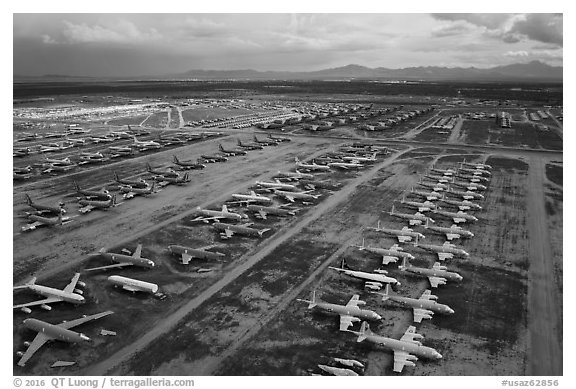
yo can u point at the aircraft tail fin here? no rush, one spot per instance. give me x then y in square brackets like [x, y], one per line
[404, 265]
[148, 167]
[239, 142]
[262, 231]
[392, 210]
[113, 201]
[176, 161]
[364, 331]
[28, 283]
[28, 199]
[220, 147]
[312, 301]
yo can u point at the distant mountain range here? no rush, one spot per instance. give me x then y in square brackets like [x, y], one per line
[532, 71]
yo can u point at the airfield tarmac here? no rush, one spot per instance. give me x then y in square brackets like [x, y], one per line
[247, 306]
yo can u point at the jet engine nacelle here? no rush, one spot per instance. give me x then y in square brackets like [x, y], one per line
[381, 271]
[81, 284]
[26, 344]
[78, 291]
[372, 287]
[46, 307]
[26, 310]
[19, 354]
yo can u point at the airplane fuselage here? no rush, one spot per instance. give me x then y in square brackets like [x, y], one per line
[450, 276]
[258, 199]
[270, 210]
[222, 215]
[47, 291]
[55, 332]
[422, 303]
[367, 276]
[348, 311]
[399, 345]
[450, 249]
[122, 258]
[196, 253]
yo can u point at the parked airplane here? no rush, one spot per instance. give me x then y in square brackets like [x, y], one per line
[388, 255]
[90, 205]
[38, 221]
[123, 260]
[228, 230]
[477, 165]
[310, 167]
[249, 146]
[77, 130]
[440, 179]
[452, 232]
[404, 235]
[294, 175]
[76, 141]
[100, 194]
[69, 294]
[462, 205]
[473, 186]
[475, 172]
[458, 217]
[86, 157]
[279, 138]
[214, 158]
[54, 135]
[47, 332]
[187, 253]
[291, 196]
[139, 183]
[163, 173]
[406, 350]
[231, 153]
[251, 198]
[60, 162]
[361, 159]
[262, 211]
[337, 371]
[444, 251]
[349, 362]
[372, 280]
[58, 168]
[100, 139]
[466, 195]
[437, 275]
[120, 134]
[206, 215]
[472, 178]
[265, 142]
[424, 307]
[345, 165]
[130, 192]
[313, 184]
[25, 137]
[21, 152]
[349, 313]
[277, 184]
[188, 164]
[178, 180]
[145, 145]
[415, 219]
[41, 208]
[170, 140]
[118, 151]
[446, 172]
[132, 285]
[436, 186]
[427, 195]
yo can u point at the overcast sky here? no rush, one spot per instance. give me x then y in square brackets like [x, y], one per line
[154, 44]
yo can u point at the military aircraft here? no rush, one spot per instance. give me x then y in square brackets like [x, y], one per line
[213, 158]
[102, 139]
[130, 192]
[310, 167]
[188, 164]
[444, 251]
[477, 165]
[170, 140]
[123, 260]
[69, 294]
[424, 307]
[47, 332]
[440, 179]
[345, 165]
[404, 235]
[313, 184]
[406, 350]
[452, 232]
[276, 185]
[437, 275]
[349, 313]
[100, 194]
[59, 162]
[466, 195]
[472, 186]
[178, 180]
[187, 253]
[86, 157]
[372, 280]
[231, 153]
[291, 196]
[475, 172]
[228, 230]
[435, 186]
[118, 151]
[145, 145]
[50, 147]
[21, 152]
[414, 220]
[279, 138]
[38, 221]
[458, 217]
[427, 195]
[294, 175]
[25, 137]
[265, 142]
[392, 254]
[446, 172]
[90, 205]
[139, 183]
[41, 208]
[58, 168]
[54, 135]
[251, 198]
[262, 211]
[120, 134]
[77, 130]
[462, 205]
[206, 215]
[163, 173]
[337, 371]
[349, 362]
[76, 141]
[472, 178]
[361, 159]
[249, 146]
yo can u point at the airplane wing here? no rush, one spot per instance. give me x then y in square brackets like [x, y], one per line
[86, 209]
[451, 235]
[395, 247]
[426, 295]
[346, 321]
[186, 258]
[420, 314]
[401, 359]
[206, 219]
[48, 300]
[386, 259]
[111, 266]
[262, 214]
[444, 256]
[228, 233]
[404, 238]
[290, 198]
[138, 251]
[355, 301]
[32, 226]
[70, 287]
[435, 281]
[38, 342]
[410, 334]
[82, 320]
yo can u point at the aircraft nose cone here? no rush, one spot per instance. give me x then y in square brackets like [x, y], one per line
[377, 317]
[438, 355]
[450, 311]
[84, 337]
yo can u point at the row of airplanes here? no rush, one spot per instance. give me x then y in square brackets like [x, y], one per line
[284, 186]
[409, 348]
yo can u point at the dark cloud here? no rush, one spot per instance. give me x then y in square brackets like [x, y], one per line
[545, 28]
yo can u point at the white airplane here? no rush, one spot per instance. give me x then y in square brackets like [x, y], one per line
[345, 165]
[251, 198]
[89, 205]
[145, 145]
[123, 260]
[361, 159]
[291, 196]
[47, 332]
[312, 166]
[39, 221]
[276, 185]
[120, 150]
[392, 254]
[69, 294]
[373, 280]
[208, 214]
